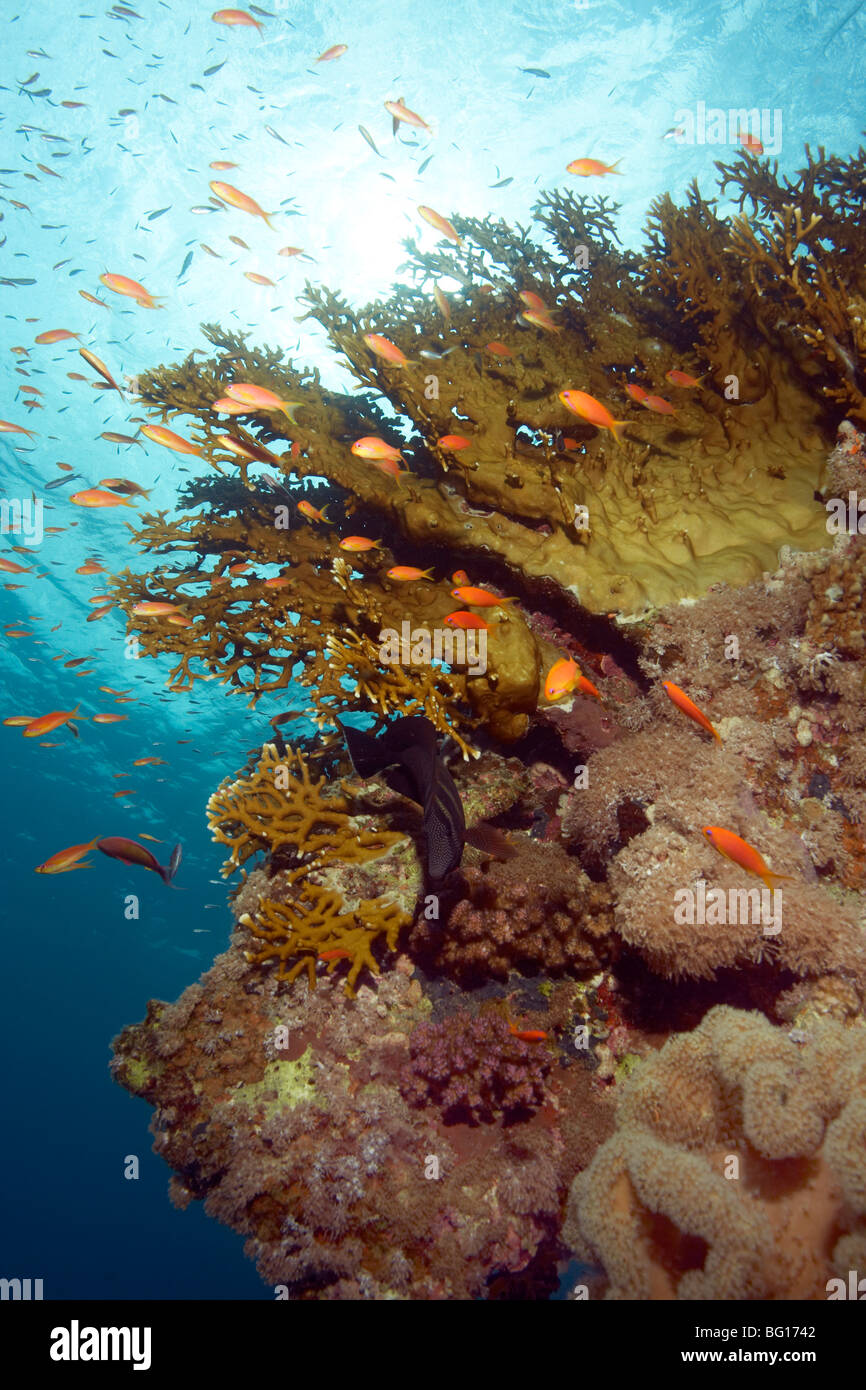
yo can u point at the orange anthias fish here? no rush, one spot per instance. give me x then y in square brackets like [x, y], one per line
[540, 318]
[312, 514]
[528, 1034]
[750, 142]
[678, 378]
[226, 406]
[222, 164]
[92, 299]
[479, 598]
[587, 167]
[398, 111]
[460, 577]
[588, 408]
[384, 348]
[236, 17]
[259, 279]
[459, 618]
[130, 852]
[440, 223]
[47, 723]
[259, 398]
[99, 366]
[95, 497]
[169, 440]
[408, 572]
[12, 566]
[442, 303]
[55, 335]
[121, 284]
[742, 853]
[658, 404]
[154, 608]
[454, 442]
[636, 392]
[682, 701]
[335, 51]
[7, 428]
[391, 467]
[91, 567]
[250, 450]
[65, 860]
[561, 679]
[233, 196]
[109, 718]
[372, 447]
[498, 350]
[358, 544]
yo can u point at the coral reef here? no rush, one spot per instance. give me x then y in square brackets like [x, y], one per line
[736, 1167]
[537, 911]
[278, 807]
[390, 1135]
[280, 1108]
[474, 1067]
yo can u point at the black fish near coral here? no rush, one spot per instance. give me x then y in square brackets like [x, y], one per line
[408, 754]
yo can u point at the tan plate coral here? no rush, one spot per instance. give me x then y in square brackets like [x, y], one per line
[766, 312]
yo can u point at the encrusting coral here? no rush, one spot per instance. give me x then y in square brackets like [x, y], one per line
[736, 1167]
[474, 1067]
[281, 1110]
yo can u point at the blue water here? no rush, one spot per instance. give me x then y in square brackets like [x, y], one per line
[621, 77]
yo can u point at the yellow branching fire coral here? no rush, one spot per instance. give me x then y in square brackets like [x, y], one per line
[279, 804]
[736, 1168]
[312, 926]
[713, 473]
[279, 808]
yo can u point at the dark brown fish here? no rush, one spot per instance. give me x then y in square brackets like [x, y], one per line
[407, 753]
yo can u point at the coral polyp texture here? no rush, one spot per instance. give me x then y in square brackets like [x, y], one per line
[639, 641]
[736, 1167]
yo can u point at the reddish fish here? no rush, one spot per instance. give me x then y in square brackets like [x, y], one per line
[233, 196]
[131, 852]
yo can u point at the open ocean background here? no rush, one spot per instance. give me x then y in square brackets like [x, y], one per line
[620, 73]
